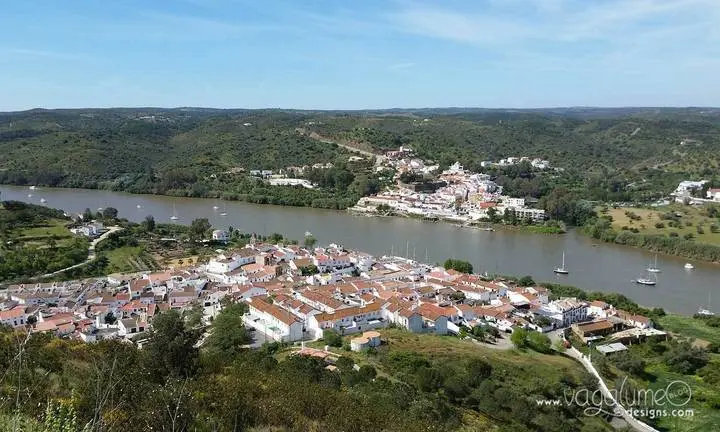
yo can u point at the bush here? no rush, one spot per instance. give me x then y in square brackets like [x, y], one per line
[714, 229]
[673, 234]
[332, 338]
[689, 236]
[659, 225]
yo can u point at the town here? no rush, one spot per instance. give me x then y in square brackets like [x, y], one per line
[455, 194]
[297, 294]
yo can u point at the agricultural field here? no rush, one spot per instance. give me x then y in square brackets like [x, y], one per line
[701, 224]
[130, 259]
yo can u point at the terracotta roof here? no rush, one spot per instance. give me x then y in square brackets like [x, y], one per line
[347, 312]
[281, 314]
[595, 326]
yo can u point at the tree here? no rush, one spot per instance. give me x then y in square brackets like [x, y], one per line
[309, 241]
[228, 331]
[526, 281]
[458, 265]
[629, 363]
[309, 270]
[171, 347]
[110, 213]
[367, 373]
[110, 318]
[199, 229]
[478, 370]
[539, 342]
[149, 223]
[332, 338]
[519, 337]
[492, 214]
[87, 215]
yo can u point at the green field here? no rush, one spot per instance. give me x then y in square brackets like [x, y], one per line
[129, 259]
[690, 327]
[692, 220]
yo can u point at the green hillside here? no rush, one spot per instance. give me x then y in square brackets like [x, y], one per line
[607, 155]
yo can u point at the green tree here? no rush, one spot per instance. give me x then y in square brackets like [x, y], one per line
[199, 229]
[526, 281]
[458, 265]
[492, 215]
[539, 342]
[171, 348]
[110, 213]
[309, 241]
[149, 223]
[332, 338]
[110, 318]
[228, 333]
[519, 337]
[87, 215]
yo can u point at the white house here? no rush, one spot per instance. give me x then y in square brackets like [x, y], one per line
[713, 194]
[348, 320]
[221, 235]
[129, 327]
[275, 322]
[15, 317]
[565, 311]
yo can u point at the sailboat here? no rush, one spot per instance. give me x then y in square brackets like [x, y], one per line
[562, 269]
[706, 312]
[689, 266]
[215, 207]
[43, 200]
[224, 212]
[646, 280]
[653, 268]
[174, 215]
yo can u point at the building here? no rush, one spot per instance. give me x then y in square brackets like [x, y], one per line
[349, 320]
[593, 330]
[129, 327]
[275, 322]
[565, 311]
[369, 339]
[713, 194]
[15, 317]
[221, 235]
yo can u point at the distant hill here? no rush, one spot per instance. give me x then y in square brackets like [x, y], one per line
[137, 149]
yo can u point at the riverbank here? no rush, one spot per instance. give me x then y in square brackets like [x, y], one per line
[601, 229]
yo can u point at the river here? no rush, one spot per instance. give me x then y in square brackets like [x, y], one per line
[594, 267]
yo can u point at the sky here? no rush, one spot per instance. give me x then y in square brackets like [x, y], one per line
[334, 54]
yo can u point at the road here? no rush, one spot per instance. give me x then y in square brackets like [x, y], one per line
[619, 410]
[91, 253]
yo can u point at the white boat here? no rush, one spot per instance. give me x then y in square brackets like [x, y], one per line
[174, 215]
[488, 229]
[215, 207]
[138, 206]
[562, 269]
[644, 281]
[653, 268]
[224, 212]
[29, 195]
[32, 187]
[706, 312]
[43, 200]
[689, 266]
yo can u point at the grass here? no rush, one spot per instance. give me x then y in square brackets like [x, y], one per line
[691, 327]
[55, 228]
[129, 259]
[691, 218]
[705, 417]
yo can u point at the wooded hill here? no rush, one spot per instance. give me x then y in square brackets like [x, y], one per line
[607, 154]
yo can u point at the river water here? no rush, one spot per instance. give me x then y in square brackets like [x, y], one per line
[595, 267]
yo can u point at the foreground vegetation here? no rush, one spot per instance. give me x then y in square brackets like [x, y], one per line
[35, 240]
[413, 382]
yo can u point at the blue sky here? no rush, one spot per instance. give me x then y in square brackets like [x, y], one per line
[334, 54]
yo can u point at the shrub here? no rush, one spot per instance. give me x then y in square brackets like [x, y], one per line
[673, 234]
[332, 338]
[689, 236]
[659, 225]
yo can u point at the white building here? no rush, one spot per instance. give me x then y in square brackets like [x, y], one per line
[275, 322]
[565, 311]
[221, 235]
